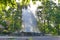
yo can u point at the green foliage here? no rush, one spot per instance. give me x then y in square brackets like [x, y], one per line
[11, 14]
[51, 16]
[12, 20]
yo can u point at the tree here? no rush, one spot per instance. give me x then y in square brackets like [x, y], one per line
[11, 14]
[50, 16]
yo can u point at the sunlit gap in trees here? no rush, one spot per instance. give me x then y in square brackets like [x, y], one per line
[33, 7]
[7, 7]
[18, 1]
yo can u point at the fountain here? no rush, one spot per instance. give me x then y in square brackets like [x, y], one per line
[29, 19]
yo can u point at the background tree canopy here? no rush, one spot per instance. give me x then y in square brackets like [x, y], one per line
[50, 17]
[11, 14]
